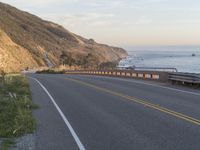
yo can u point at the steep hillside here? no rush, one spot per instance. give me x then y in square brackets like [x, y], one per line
[12, 56]
[26, 39]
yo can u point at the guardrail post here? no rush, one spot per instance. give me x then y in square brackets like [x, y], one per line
[153, 75]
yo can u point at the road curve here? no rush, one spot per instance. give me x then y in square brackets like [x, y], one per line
[106, 113]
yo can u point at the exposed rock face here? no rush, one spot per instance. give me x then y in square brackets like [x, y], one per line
[13, 57]
[25, 39]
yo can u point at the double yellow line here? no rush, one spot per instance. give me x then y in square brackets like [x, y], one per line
[139, 101]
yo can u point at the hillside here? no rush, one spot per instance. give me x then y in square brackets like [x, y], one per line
[26, 39]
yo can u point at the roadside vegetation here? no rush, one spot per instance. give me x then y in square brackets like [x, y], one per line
[61, 69]
[51, 71]
[15, 109]
[86, 62]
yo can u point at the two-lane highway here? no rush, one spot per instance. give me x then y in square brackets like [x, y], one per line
[104, 113]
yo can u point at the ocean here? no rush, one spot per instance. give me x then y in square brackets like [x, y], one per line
[180, 57]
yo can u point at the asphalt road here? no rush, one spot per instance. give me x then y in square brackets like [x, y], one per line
[104, 113]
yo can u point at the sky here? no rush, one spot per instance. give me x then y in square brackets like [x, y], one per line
[123, 22]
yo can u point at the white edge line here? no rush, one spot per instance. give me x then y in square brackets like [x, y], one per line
[78, 142]
[164, 87]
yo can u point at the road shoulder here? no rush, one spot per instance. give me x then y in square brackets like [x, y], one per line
[51, 132]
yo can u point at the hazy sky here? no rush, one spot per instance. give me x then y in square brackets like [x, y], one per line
[123, 22]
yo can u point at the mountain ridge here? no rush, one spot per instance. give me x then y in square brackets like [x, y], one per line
[36, 37]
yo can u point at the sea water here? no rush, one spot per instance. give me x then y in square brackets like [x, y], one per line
[184, 58]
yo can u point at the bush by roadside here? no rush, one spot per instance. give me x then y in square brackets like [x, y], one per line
[51, 71]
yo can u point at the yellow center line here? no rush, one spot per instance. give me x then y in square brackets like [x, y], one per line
[143, 102]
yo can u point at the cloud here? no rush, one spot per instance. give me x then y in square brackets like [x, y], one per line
[71, 20]
[122, 19]
[143, 20]
[46, 3]
[110, 3]
[32, 2]
[90, 4]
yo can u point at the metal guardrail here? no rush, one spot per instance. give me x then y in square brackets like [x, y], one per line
[151, 75]
[157, 69]
[163, 69]
[185, 78]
